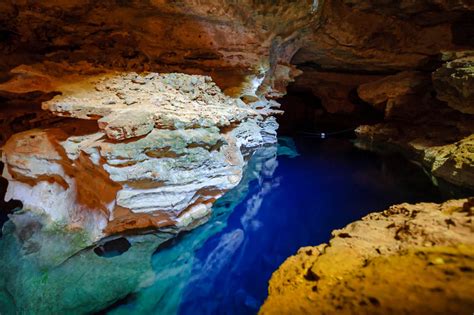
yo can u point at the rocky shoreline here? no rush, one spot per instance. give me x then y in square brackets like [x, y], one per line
[388, 262]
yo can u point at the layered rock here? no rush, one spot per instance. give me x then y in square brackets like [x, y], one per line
[145, 152]
[84, 280]
[423, 252]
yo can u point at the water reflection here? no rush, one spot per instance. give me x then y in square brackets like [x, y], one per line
[284, 201]
[177, 267]
[296, 201]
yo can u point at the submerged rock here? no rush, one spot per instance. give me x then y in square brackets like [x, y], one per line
[389, 262]
[83, 284]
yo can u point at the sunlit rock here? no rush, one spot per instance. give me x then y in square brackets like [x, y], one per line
[158, 161]
[423, 251]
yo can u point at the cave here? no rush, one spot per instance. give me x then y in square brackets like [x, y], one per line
[223, 157]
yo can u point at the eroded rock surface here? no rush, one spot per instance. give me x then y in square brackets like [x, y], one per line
[390, 262]
[143, 152]
[240, 44]
[446, 151]
[398, 96]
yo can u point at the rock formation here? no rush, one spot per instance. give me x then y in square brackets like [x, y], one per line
[142, 269]
[424, 122]
[390, 262]
[143, 152]
[104, 134]
[454, 84]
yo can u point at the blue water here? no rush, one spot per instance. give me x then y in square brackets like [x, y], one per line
[285, 201]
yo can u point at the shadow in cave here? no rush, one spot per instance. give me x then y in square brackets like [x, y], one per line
[305, 115]
[113, 248]
[6, 207]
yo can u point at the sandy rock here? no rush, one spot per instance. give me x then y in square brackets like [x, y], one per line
[423, 251]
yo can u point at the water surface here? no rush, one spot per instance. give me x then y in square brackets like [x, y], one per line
[285, 201]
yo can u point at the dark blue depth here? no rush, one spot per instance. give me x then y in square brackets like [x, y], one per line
[330, 184]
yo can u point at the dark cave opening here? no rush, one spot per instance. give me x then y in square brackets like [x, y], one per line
[304, 114]
[113, 248]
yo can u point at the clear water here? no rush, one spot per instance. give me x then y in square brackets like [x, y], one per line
[284, 202]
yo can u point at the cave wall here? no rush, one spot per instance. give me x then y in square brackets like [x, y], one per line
[232, 39]
[410, 60]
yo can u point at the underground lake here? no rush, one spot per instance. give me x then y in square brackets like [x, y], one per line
[190, 157]
[292, 194]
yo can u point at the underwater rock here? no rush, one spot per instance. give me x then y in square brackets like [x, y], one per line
[177, 266]
[454, 84]
[423, 251]
[83, 284]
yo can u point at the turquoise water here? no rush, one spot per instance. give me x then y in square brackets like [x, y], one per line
[292, 195]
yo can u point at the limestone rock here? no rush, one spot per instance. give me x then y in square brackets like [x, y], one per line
[228, 39]
[233, 41]
[159, 162]
[454, 84]
[422, 127]
[34, 270]
[129, 104]
[454, 162]
[423, 251]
